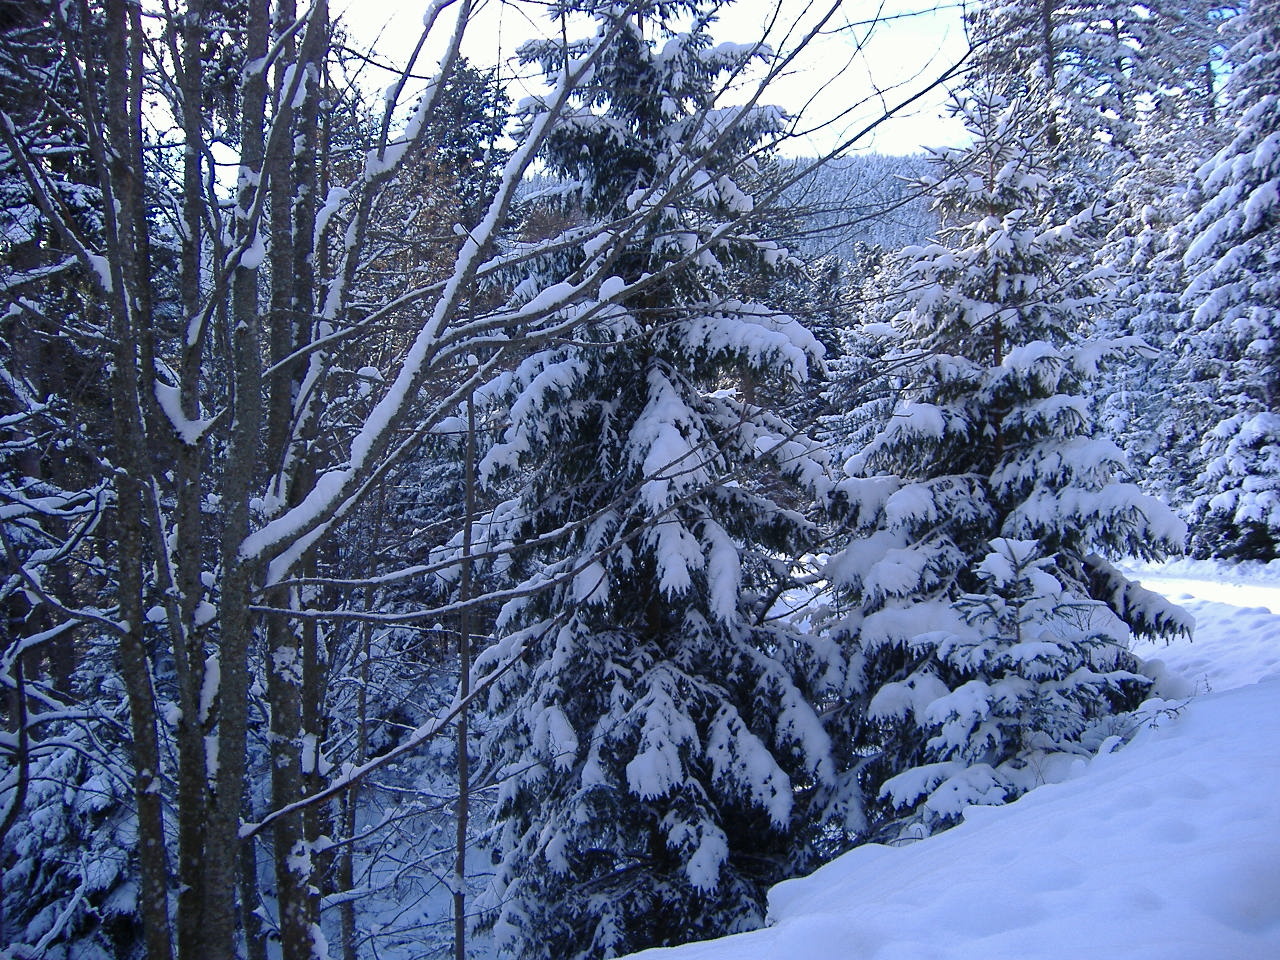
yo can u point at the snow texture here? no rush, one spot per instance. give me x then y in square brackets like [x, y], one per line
[1164, 849]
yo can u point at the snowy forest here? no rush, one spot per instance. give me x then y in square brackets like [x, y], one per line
[470, 518]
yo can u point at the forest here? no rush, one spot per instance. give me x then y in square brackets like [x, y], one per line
[533, 514]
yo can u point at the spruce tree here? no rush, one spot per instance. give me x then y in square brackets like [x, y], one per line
[1145, 404]
[654, 738]
[1080, 66]
[1233, 347]
[984, 626]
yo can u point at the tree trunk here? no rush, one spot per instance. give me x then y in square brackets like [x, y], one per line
[120, 166]
[235, 619]
[464, 690]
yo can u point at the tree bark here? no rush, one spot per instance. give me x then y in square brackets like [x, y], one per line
[464, 690]
[120, 164]
[235, 619]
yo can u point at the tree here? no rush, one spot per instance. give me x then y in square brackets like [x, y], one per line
[1146, 404]
[60, 813]
[1079, 63]
[983, 624]
[655, 740]
[192, 214]
[1235, 298]
[205, 531]
[71, 869]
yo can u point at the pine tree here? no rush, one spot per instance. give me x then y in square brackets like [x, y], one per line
[655, 738]
[1145, 404]
[1234, 342]
[984, 627]
[1081, 64]
[1014, 693]
[71, 889]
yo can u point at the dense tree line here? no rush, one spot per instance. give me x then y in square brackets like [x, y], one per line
[427, 517]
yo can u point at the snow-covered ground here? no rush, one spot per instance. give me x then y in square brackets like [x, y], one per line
[1167, 849]
[1237, 638]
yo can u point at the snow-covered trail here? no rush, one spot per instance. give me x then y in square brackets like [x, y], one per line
[1251, 585]
[1166, 849]
[1237, 611]
[1236, 594]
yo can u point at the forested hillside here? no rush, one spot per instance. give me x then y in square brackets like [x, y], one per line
[845, 205]
[524, 511]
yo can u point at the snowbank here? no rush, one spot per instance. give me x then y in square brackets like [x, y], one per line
[1167, 849]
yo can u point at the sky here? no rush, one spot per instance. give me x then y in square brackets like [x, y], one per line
[840, 82]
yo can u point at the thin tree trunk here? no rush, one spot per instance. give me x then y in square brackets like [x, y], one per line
[254, 935]
[464, 690]
[195, 719]
[295, 684]
[1049, 63]
[236, 622]
[284, 654]
[120, 164]
[292, 860]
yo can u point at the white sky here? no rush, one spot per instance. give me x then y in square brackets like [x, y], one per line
[849, 65]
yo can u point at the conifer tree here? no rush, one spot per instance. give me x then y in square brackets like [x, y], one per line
[985, 627]
[1078, 65]
[657, 732]
[1234, 292]
[655, 739]
[1145, 404]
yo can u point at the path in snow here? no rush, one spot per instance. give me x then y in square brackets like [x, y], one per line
[1167, 849]
[1237, 638]
[1241, 585]
[1236, 594]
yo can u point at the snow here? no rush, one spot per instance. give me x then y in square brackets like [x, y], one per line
[170, 400]
[102, 267]
[332, 202]
[1179, 582]
[209, 687]
[252, 258]
[657, 767]
[724, 571]
[1163, 849]
[611, 286]
[591, 585]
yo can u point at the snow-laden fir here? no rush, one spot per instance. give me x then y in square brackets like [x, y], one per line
[1233, 340]
[987, 636]
[655, 732]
